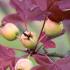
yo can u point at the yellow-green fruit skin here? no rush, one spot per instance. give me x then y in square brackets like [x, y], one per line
[23, 64]
[9, 31]
[52, 28]
[29, 43]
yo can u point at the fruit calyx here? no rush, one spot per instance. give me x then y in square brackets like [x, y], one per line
[28, 35]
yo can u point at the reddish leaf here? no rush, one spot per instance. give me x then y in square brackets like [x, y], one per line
[27, 10]
[6, 53]
[43, 36]
[63, 64]
[40, 68]
[67, 14]
[46, 41]
[13, 18]
[49, 44]
[45, 67]
[57, 17]
[7, 58]
[42, 4]
[64, 4]
[42, 60]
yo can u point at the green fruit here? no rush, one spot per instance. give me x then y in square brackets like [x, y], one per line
[9, 31]
[52, 28]
[29, 42]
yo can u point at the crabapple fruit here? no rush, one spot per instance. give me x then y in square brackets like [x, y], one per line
[29, 39]
[9, 31]
[52, 28]
[23, 64]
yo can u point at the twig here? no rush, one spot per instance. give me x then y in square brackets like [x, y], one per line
[40, 33]
[39, 48]
[55, 55]
[45, 50]
[17, 49]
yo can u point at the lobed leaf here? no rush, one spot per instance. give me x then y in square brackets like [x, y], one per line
[42, 4]
[63, 64]
[12, 18]
[42, 59]
[64, 4]
[5, 52]
[7, 58]
[27, 9]
[47, 42]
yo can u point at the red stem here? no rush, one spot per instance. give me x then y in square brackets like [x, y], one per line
[26, 26]
[40, 34]
[17, 49]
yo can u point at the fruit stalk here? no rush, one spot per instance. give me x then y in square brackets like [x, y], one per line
[39, 35]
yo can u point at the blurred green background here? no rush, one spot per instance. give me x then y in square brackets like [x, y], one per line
[62, 43]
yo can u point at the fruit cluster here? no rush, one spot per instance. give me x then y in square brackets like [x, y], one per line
[52, 15]
[29, 39]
